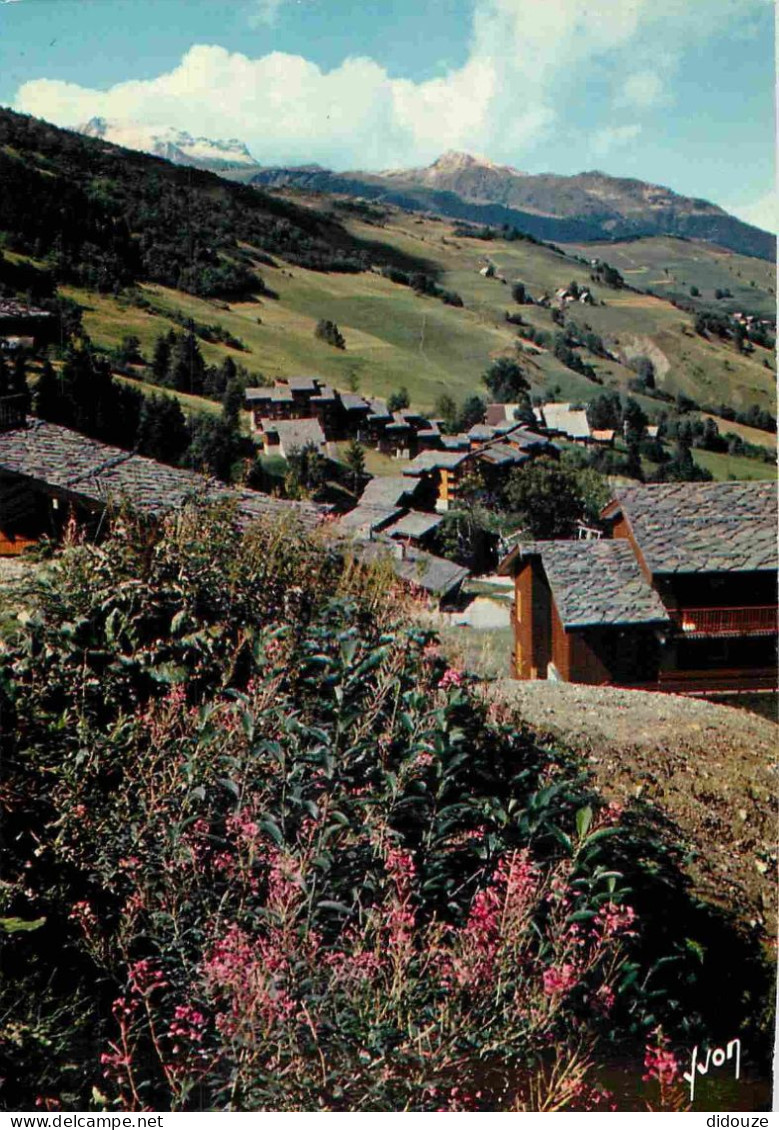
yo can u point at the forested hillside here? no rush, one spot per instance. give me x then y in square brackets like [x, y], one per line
[105, 217]
[129, 249]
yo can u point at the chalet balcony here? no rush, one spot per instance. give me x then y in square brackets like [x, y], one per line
[722, 623]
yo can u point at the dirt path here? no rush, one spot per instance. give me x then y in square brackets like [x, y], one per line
[712, 769]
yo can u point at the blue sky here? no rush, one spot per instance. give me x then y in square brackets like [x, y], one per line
[679, 92]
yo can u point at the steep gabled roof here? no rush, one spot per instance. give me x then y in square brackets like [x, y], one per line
[596, 583]
[702, 527]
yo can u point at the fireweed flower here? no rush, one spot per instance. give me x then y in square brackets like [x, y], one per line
[660, 1063]
[559, 981]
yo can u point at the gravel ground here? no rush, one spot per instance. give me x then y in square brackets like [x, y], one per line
[712, 769]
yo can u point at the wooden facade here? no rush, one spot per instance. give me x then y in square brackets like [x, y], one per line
[704, 557]
[599, 655]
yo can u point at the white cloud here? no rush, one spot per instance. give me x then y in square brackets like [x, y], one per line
[265, 12]
[612, 137]
[528, 61]
[642, 89]
[763, 213]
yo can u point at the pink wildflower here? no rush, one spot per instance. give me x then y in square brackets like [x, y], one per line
[660, 1062]
[450, 678]
[187, 1024]
[604, 1000]
[612, 919]
[559, 981]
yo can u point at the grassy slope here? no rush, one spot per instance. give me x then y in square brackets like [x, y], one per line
[672, 266]
[636, 323]
[396, 338]
[723, 466]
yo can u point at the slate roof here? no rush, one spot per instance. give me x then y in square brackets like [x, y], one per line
[364, 520]
[379, 410]
[521, 436]
[501, 454]
[480, 433]
[296, 433]
[99, 473]
[354, 403]
[432, 460]
[435, 575]
[326, 392]
[458, 442]
[386, 490]
[563, 418]
[596, 583]
[303, 384]
[415, 524]
[277, 393]
[702, 527]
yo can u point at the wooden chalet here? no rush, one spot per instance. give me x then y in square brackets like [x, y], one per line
[283, 437]
[443, 473]
[49, 473]
[682, 595]
[492, 451]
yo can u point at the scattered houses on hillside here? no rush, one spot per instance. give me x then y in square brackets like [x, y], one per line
[339, 415]
[573, 293]
[680, 597]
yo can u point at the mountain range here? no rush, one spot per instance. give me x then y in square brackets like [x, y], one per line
[172, 144]
[588, 206]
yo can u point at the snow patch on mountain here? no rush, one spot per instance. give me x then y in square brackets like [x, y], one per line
[174, 144]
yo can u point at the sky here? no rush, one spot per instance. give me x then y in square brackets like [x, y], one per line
[675, 92]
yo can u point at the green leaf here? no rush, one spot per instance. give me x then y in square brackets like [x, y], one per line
[269, 825]
[231, 786]
[564, 839]
[327, 904]
[695, 948]
[19, 925]
[583, 821]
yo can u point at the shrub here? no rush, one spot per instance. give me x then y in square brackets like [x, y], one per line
[275, 854]
[328, 331]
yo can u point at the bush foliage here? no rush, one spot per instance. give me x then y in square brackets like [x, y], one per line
[266, 850]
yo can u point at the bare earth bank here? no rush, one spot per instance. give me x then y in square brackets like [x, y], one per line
[711, 768]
